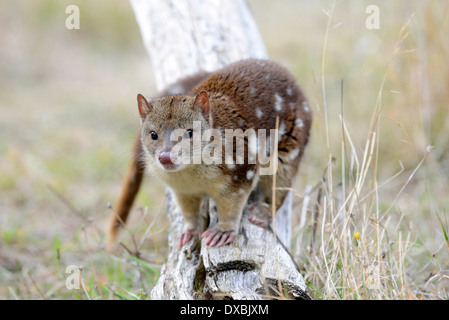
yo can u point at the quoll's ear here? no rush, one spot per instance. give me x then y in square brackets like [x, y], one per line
[202, 103]
[144, 106]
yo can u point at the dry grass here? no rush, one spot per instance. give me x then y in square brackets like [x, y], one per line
[371, 197]
[359, 242]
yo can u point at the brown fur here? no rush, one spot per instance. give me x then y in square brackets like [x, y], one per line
[134, 175]
[242, 92]
[250, 94]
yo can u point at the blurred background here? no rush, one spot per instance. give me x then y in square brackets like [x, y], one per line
[68, 119]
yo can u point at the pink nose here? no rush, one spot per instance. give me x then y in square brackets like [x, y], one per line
[164, 158]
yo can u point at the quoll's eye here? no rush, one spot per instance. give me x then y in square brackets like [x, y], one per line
[190, 133]
[153, 135]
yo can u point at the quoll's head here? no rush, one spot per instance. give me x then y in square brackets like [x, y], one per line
[168, 128]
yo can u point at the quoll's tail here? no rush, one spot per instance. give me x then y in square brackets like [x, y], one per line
[130, 188]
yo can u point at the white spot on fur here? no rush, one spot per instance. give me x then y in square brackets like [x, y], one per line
[241, 191]
[305, 105]
[250, 174]
[299, 123]
[289, 91]
[281, 131]
[231, 166]
[293, 154]
[241, 123]
[252, 90]
[278, 102]
[259, 113]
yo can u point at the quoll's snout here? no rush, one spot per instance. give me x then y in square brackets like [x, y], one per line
[168, 160]
[165, 159]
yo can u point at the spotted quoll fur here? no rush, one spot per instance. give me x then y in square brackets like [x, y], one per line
[249, 94]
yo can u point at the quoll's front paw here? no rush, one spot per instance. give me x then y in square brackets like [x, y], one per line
[217, 237]
[186, 236]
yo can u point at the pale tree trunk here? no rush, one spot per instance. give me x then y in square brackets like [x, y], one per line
[184, 37]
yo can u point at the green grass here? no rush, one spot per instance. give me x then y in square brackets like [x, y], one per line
[69, 119]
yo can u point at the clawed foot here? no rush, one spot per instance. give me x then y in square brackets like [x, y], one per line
[260, 215]
[219, 238]
[186, 236]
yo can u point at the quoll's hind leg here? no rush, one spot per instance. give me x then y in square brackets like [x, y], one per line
[261, 211]
[261, 214]
[293, 138]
